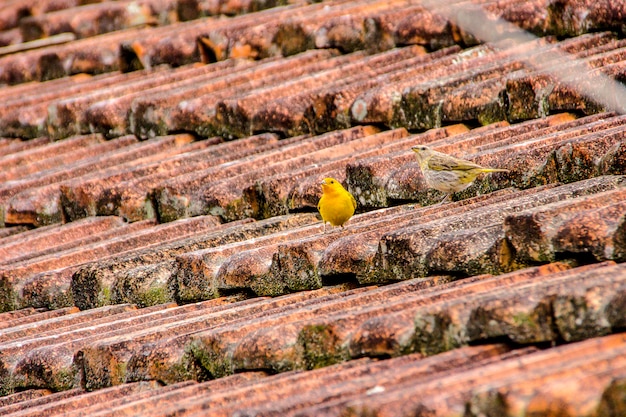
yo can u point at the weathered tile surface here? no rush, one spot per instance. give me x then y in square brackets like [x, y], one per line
[160, 249]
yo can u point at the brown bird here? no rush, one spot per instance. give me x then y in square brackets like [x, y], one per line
[445, 172]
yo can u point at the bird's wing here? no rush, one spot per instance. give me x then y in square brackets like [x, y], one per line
[447, 163]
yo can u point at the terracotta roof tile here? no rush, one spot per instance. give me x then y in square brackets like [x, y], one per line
[93, 284]
[193, 105]
[127, 191]
[298, 189]
[10, 145]
[169, 396]
[391, 175]
[189, 10]
[27, 315]
[408, 256]
[375, 105]
[65, 115]
[170, 350]
[346, 385]
[392, 384]
[42, 182]
[207, 39]
[248, 267]
[557, 228]
[132, 189]
[8, 38]
[543, 277]
[6, 232]
[51, 321]
[33, 243]
[66, 401]
[93, 55]
[16, 275]
[226, 198]
[591, 15]
[403, 401]
[97, 195]
[295, 391]
[113, 116]
[27, 200]
[107, 18]
[13, 11]
[182, 196]
[288, 114]
[15, 45]
[432, 262]
[560, 97]
[16, 165]
[124, 351]
[238, 114]
[41, 289]
[167, 339]
[25, 113]
[23, 397]
[63, 372]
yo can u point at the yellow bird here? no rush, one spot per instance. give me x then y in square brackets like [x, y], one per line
[445, 172]
[336, 205]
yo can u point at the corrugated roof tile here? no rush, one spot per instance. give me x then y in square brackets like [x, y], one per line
[401, 399]
[134, 353]
[404, 255]
[33, 243]
[65, 116]
[581, 16]
[92, 285]
[27, 315]
[235, 114]
[15, 45]
[66, 401]
[229, 198]
[288, 114]
[17, 165]
[100, 193]
[183, 196]
[26, 110]
[12, 145]
[74, 360]
[108, 17]
[468, 272]
[193, 9]
[298, 189]
[114, 117]
[24, 397]
[171, 351]
[27, 190]
[95, 55]
[541, 233]
[347, 385]
[193, 106]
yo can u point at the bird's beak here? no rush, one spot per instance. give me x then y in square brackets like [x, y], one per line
[415, 149]
[323, 182]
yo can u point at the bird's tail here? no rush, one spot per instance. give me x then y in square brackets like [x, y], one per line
[495, 170]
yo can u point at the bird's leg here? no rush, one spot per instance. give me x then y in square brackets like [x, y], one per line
[444, 199]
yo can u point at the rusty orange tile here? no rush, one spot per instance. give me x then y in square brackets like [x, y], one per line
[34, 242]
[108, 18]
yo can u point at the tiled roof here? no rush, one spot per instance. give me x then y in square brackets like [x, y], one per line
[161, 251]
